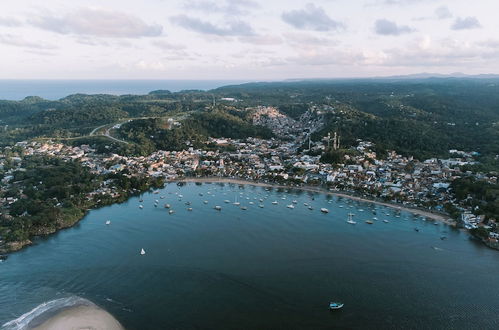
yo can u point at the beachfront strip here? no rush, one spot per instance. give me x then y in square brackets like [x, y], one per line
[397, 179]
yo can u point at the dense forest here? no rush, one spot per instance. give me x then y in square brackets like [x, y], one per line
[54, 195]
[420, 117]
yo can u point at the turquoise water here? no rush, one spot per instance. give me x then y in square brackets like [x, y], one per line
[56, 89]
[262, 268]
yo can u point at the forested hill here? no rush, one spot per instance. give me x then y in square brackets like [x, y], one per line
[420, 117]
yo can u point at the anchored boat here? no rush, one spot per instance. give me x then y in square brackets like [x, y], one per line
[335, 305]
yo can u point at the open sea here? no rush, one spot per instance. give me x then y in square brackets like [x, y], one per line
[261, 268]
[56, 89]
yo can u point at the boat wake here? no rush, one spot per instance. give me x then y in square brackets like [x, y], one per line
[44, 311]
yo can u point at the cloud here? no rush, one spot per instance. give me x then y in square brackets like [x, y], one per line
[10, 22]
[229, 7]
[97, 22]
[163, 44]
[466, 23]
[261, 40]
[18, 41]
[402, 2]
[311, 18]
[230, 28]
[443, 12]
[389, 28]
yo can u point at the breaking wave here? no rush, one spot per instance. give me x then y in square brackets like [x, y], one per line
[44, 311]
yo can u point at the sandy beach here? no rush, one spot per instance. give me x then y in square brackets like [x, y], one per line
[424, 213]
[81, 317]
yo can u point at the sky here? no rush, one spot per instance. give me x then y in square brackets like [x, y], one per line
[245, 39]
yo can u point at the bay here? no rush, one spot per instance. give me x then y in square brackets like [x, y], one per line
[260, 268]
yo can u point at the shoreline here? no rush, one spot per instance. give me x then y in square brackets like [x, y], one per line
[11, 247]
[428, 214]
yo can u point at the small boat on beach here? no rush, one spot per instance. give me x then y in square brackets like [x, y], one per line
[335, 305]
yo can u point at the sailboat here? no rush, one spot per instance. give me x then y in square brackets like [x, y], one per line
[108, 222]
[350, 219]
[236, 203]
[142, 252]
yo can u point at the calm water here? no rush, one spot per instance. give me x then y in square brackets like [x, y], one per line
[56, 89]
[263, 268]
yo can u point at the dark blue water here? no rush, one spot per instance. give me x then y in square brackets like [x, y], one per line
[56, 89]
[263, 268]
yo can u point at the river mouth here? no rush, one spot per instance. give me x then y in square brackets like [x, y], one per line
[262, 267]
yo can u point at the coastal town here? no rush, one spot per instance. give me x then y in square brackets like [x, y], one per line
[288, 159]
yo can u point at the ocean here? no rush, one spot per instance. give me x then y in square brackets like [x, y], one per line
[56, 89]
[262, 268]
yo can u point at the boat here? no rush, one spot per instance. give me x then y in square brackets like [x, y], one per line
[227, 201]
[180, 196]
[261, 199]
[189, 209]
[244, 208]
[162, 197]
[108, 222]
[251, 203]
[206, 202]
[274, 203]
[142, 251]
[290, 206]
[386, 221]
[335, 305]
[171, 212]
[261, 206]
[187, 203]
[156, 201]
[324, 210]
[350, 219]
[141, 206]
[305, 204]
[167, 206]
[295, 202]
[218, 208]
[369, 222]
[310, 208]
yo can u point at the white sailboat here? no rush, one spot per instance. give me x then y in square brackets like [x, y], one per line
[350, 219]
[142, 252]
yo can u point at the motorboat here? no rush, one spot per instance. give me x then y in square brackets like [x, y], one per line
[108, 222]
[218, 208]
[290, 206]
[335, 305]
[324, 210]
[369, 222]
